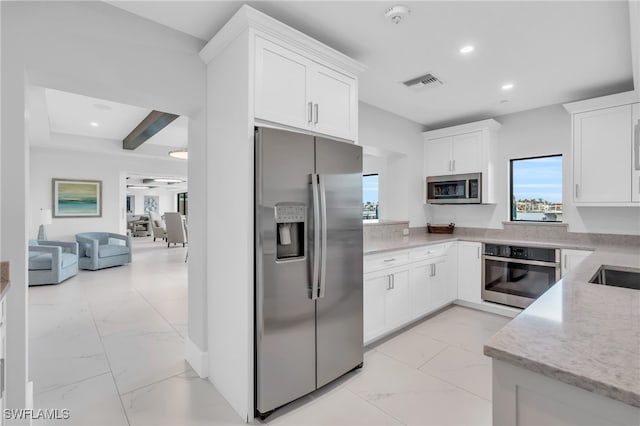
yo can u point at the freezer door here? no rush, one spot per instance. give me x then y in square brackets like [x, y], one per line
[284, 311]
[339, 307]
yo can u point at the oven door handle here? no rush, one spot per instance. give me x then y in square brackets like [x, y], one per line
[522, 261]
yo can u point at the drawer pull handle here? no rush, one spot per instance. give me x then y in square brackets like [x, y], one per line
[390, 260]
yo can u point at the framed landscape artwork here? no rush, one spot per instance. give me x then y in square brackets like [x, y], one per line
[77, 198]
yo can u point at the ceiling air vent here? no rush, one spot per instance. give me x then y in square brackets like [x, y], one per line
[423, 82]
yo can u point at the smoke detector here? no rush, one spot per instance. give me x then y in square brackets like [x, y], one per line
[396, 13]
[423, 82]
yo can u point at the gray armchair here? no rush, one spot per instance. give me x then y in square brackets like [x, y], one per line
[51, 262]
[158, 227]
[176, 233]
[99, 250]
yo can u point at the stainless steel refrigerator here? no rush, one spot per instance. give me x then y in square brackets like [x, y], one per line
[308, 264]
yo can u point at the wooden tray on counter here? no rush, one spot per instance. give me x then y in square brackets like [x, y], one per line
[440, 229]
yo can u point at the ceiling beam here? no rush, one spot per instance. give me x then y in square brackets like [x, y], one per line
[152, 124]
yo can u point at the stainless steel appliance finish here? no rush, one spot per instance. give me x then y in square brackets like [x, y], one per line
[308, 272]
[516, 275]
[617, 276]
[455, 189]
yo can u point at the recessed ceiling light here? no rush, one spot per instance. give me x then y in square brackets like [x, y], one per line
[467, 49]
[507, 86]
[182, 154]
[138, 187]
[167, 180]
[94, 124]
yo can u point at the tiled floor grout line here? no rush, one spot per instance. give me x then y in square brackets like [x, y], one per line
[155, 383]
[438, 378]
[106, 356]
[55, 388]
[160, 313]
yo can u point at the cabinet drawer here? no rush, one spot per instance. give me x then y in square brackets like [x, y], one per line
[374, 262]
[428, 252]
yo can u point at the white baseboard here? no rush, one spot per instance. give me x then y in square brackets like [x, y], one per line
[197, 359]
[493, 308]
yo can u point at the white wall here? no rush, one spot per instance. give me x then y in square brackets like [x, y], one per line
[94, 49]
[167, 200]
[538, 132]
[56, 163]
[394, 145]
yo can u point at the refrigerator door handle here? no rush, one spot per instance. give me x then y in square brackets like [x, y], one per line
[316, 237]
[323, 238]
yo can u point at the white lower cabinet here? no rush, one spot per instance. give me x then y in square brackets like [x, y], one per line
[418, 283]
[470, 271]
[387, 303]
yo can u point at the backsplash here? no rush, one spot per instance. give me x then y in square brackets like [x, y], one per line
[543, 233]
[385, 230]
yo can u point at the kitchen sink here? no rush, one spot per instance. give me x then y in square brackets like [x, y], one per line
[617, 276]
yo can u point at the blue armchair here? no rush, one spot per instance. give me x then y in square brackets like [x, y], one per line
[99, 250]
[51, 262]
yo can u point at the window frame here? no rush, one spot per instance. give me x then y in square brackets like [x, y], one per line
[378, 209]
[513, 208]
[185, 203]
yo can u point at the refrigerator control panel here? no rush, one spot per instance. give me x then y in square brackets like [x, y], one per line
[290, 213]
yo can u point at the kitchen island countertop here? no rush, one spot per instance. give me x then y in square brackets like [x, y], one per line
[586, 335]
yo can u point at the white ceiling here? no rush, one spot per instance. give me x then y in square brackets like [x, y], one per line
[552, 51]
[72, 114]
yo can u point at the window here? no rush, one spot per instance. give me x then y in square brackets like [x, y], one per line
[370, 196]
[536, 189]
[183, 203]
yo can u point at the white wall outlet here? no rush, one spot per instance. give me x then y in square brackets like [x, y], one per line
[405, 231]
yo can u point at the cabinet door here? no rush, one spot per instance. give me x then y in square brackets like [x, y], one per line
[571, 258]
[334, 100]
[602, 155]
[375, 291]
[398, 300]
[437, 152]
[420, 281]
[469, 271]
[635, 180]
[438, 291]
[281, 85]
[467, 153]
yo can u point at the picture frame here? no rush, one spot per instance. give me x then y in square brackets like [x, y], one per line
[76, 198]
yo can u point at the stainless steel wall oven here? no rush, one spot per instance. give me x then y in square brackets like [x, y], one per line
[517, 275]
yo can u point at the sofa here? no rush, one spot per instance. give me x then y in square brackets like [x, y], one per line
[52, 262]
[98, 250]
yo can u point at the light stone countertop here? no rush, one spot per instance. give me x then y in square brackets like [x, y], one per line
[414, 240]
[421, 239]
[582, 334]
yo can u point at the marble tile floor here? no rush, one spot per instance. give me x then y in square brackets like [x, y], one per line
[109, 347]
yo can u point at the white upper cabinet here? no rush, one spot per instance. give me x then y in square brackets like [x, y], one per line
[467, 153]
[463, 149]
[437, 159]
[296, 91]
[605, 151]
[335, 102]
[281, 85]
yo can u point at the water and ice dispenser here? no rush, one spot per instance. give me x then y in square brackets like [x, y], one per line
[290, 221]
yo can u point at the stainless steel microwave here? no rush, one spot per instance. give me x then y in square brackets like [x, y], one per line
[455, 189]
